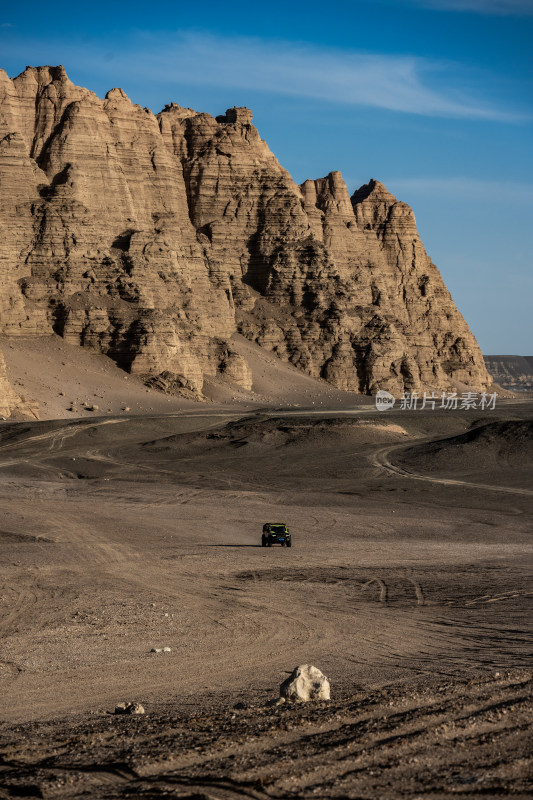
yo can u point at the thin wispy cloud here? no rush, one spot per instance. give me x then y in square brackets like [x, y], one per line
[397, 83]
[499, 7]
[402, 83]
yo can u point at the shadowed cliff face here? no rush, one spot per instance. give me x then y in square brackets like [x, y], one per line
[154, 238]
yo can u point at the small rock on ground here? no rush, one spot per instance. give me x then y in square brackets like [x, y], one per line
[305, 683]
[129, 708]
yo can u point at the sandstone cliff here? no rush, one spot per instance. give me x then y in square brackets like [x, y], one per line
[153, 238]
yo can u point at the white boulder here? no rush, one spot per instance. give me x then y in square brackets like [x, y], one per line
[305, 683]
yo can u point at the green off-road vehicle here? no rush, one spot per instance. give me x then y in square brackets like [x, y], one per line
[275, 533]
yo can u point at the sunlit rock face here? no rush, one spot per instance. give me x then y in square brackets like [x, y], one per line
[9, 400]
[153, 239]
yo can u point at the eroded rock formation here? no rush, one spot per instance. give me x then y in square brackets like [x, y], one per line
[154, 238]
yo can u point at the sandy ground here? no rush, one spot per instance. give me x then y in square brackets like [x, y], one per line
[409, 584]
[58, 376]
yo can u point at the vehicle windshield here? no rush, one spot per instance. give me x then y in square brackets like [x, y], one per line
[278, 529]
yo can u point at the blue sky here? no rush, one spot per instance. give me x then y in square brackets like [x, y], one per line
[432, 97]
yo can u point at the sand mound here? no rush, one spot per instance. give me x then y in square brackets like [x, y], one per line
[261, 432]
[502, 449]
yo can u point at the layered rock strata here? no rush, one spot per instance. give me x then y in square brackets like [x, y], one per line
[153, 239]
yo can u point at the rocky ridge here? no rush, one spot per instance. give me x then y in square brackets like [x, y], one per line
[512, 372]
[153, 238]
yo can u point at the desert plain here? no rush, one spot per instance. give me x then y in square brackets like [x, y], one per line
[408, 584]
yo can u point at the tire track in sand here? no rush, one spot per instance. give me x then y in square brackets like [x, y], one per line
[381, 459]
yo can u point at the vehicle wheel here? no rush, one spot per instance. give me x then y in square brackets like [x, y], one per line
[269, 544]
[263, 543]
[289, 544]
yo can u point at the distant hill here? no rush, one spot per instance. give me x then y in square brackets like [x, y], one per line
[512, 372]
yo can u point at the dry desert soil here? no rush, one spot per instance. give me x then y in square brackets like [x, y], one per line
[408, 584]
